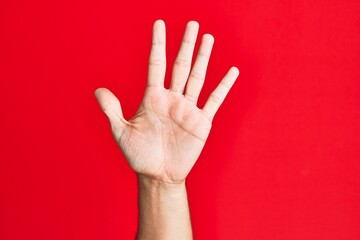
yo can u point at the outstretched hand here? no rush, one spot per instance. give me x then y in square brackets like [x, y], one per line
[165, 137]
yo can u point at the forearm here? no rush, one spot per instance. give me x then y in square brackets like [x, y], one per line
[163, 210]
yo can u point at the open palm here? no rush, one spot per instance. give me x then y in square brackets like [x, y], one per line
[165, 137]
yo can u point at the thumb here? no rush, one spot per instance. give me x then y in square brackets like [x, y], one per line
[110, 105]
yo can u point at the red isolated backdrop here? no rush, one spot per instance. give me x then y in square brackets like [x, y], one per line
[282, 160]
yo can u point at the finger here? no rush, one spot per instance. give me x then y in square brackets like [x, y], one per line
[182, 62]
[198, 72]
[110, 105]
[157, 59]
[218, 95]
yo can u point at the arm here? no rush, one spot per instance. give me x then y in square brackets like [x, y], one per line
[164, 211]
[167, 134]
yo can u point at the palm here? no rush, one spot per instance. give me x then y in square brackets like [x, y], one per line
[165, 137]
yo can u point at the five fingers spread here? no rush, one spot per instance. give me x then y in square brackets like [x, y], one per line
[181, 74]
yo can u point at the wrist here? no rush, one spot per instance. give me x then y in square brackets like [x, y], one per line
[159, 184]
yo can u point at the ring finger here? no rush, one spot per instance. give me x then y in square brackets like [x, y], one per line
[198, 72]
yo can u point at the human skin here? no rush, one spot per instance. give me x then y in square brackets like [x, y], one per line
[165, 137]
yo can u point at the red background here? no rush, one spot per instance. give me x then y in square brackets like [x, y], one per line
[282, 160]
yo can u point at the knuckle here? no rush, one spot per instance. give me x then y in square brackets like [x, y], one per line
[177, 87]
[106, 107]
[204, 54]
[157, 61]
[224, 85]
[183, 63]
[208, 116]
[197, 76]
[216, 99]
[191, 97]
[188, 41]
[157, 43]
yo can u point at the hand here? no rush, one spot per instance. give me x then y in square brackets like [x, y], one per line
[165, 137]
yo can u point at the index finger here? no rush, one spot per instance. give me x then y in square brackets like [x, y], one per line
[157, 59]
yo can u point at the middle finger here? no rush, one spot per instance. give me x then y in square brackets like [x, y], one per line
[182, 62]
